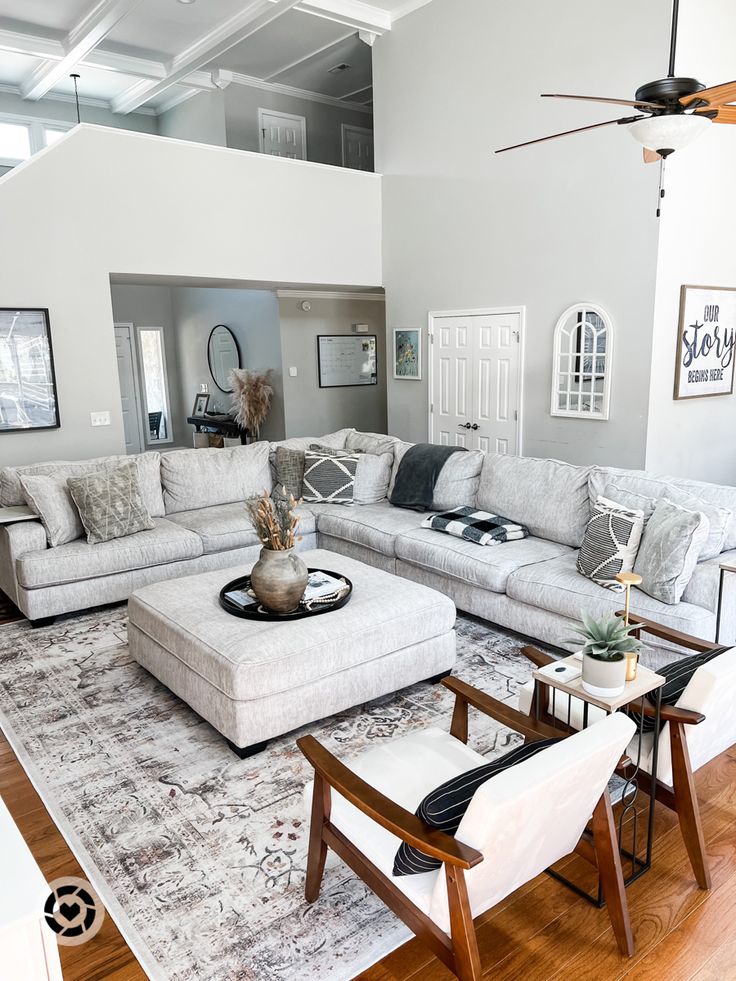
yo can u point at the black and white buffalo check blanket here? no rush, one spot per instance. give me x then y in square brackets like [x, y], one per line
[480, 527]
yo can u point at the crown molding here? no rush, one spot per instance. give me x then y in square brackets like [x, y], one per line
[408, 8]
[329, 295]
[84, 100]
[328, 100]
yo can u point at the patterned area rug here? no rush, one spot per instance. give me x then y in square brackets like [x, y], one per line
[200, 857]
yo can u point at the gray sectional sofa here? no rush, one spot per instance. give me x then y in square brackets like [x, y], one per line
[531, 586]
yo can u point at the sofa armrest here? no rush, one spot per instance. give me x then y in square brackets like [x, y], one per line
[17, 540]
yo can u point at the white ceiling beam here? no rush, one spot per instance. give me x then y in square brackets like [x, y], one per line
[83, 38]
[290, 90]
[363, 88]
[308, 57]
[253, 18]
[354, 13]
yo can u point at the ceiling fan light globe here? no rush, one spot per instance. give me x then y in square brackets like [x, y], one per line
[671, 133]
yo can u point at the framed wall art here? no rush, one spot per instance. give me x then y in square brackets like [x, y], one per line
[347, 360]
[28, 397]
[706, 342]
[408, 353]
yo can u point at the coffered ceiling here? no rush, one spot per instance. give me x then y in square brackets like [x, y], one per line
[149, 55]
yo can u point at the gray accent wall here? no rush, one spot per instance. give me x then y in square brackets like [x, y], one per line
[201, 119]
[309, 409]
[541, 227]
[324, 135]
[253, 317]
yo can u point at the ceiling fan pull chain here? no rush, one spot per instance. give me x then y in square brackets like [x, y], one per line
[660, 196]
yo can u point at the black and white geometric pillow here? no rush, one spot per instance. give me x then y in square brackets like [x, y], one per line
[445, 806]
[329, 479]
[612, 538]
[480, 527]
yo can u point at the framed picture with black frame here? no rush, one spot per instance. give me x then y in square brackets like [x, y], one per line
[201, 404]
[28, 397]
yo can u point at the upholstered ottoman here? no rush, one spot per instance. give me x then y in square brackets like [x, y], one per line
[253, 680]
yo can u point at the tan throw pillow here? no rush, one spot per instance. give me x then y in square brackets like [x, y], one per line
[49, 498]
[110, 503]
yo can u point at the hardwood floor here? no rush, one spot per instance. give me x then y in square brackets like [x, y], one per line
[539, 933]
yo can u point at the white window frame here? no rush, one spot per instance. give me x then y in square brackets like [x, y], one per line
[282, 115]
[36, 133]
[607, 375]
[169, 422]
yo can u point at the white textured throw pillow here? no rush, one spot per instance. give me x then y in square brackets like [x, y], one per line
[611, 543]
[670, 548]
[50, 498]
[372, 477]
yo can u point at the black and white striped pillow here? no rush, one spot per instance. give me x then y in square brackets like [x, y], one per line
[445, 806]
[679, 675]
[611, 542]
[329, 479]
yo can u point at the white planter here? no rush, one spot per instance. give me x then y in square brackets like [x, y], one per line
[606, 679]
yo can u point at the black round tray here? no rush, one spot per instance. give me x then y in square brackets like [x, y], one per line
[257, 612]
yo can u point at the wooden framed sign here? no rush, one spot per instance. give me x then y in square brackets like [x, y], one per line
[706, 342]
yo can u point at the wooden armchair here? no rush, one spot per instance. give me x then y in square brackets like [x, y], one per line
[699, 727]
[518, 823]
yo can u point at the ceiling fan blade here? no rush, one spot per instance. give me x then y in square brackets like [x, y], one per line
[717, 95]
[615, 102]
[725, 114]
[569, 132]
[651, 156]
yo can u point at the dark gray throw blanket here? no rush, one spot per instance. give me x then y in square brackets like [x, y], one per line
[417, 475]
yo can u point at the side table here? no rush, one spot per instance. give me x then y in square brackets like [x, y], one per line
[10, 516]
[725, 567]
[623, 790]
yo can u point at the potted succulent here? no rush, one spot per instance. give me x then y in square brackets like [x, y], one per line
[607, 641]
[279, 577]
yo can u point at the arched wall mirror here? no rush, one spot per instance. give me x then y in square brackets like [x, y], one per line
[583, 361]
[223, 356]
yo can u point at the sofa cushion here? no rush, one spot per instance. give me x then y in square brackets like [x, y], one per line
[673, 540]
[194, 479]
[335, 441]
[374, 443]
[149, 474]
[77, 561]
[110, 503]
[636, 489]
[610, 544]
[558, 587]
[548, 496]
[375, 526]
[469, 562]
[227, 526]
[49, 497]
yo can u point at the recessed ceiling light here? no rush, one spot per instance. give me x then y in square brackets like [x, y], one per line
[187, 1]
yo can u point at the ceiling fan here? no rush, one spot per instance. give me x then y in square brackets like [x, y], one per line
[672, 111]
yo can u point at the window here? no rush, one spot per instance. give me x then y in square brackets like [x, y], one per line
[155, 384]
[583, 354]
[21, 136]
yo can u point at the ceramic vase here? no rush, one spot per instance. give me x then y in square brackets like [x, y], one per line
[279, 579]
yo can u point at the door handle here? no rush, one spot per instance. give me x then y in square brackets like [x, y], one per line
[464, 425]
[475, 426]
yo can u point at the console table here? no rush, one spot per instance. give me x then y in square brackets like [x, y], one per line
[221, 425]
[9, 516]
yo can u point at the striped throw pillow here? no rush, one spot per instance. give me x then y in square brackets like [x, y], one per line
[679, 674]
[329, 479]
[611, 542]
[445, 807]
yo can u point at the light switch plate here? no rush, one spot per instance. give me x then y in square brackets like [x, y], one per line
[292, 372]
[100, 418]
[204, 388]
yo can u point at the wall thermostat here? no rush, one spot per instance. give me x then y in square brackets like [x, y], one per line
[360, 328]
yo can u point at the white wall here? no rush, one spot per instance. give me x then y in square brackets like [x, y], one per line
[695, 438]
[253, 317]
[309, 409]
[102, 201]
[542, 227]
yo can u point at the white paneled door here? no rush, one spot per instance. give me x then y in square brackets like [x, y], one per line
[357, 147]
[129, 393]
[475, 384]
[282, 135]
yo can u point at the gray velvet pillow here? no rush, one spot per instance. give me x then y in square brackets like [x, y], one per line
[670, 548]
[110, 503]
[49, 498]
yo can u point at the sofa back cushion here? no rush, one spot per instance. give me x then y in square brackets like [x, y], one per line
[457, 484]
[374, 443]
[548, 496]
[335, 441]
[149, 475]
[636, 488]
[194, 479]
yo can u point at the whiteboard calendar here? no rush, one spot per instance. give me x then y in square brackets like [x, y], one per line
[346, 359]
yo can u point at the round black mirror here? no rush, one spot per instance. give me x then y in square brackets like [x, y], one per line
[223, 356]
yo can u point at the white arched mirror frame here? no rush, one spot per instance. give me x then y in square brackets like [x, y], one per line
[586, 394]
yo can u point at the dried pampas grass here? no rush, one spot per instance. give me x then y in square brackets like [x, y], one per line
[251, 397]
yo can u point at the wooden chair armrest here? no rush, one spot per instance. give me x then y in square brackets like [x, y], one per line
[537, 657]
[674, 636]
[390, 815]
[523, 724]
[669, 713]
